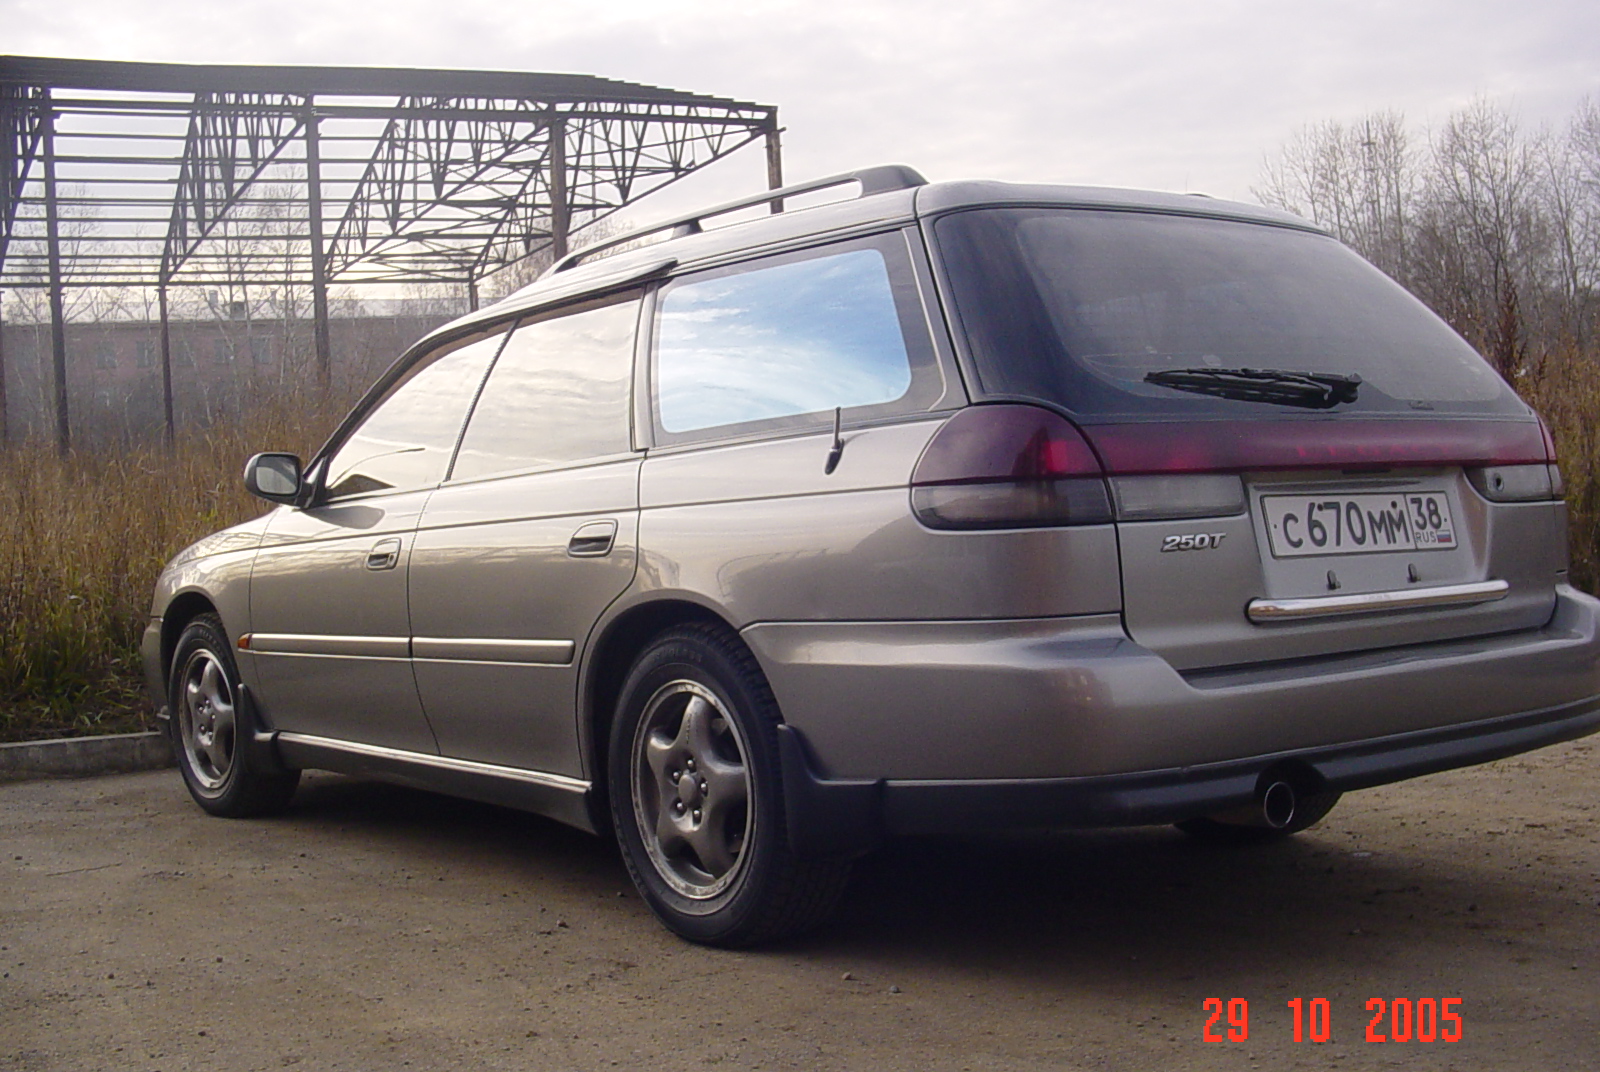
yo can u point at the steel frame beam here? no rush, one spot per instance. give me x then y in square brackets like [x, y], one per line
[226, 151]
[58, 316]
[471, 171]
[21, 130]
[319, 254]
[147, 177]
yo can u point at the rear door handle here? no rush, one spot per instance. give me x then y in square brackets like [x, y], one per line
[385, 554]
[593, 540]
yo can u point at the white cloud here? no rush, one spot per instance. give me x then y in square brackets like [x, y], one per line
[1162, 93]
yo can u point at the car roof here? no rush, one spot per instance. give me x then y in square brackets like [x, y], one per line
[938, 198]
[765, 232]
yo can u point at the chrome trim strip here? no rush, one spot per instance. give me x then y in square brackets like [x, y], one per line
[1450, 595]
[472, 649]
[459, 766]
[379, 647]
[308, 655]
[439, 649]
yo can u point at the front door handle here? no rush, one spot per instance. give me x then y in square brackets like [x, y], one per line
[593, 540]
[385, 554]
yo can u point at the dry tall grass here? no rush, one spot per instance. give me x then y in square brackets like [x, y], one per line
[82, 539]
[1565, 388]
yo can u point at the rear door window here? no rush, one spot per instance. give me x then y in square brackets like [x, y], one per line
[781, 342]
[558, 395]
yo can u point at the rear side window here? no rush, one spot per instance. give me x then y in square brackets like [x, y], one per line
[781, 342]
[557, 395]
[405, 441]
[1081, 308]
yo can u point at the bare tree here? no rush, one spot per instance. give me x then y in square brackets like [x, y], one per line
[1482, 231]
[1359, 181]
[1497, 228]
[1582, 165]
[1568, 272]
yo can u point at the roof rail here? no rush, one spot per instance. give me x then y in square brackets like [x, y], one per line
[873, 180]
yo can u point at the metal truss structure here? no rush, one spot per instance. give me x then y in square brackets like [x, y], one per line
[171, 175]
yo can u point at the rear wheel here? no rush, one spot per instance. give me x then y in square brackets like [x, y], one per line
[211, 730]
[696, 796]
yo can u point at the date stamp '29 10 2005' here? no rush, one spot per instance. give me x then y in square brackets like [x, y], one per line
[1391, 1020]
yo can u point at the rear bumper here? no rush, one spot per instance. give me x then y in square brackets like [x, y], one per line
[845, 817]
[926, 727]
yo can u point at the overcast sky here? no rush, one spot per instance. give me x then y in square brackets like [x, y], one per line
[1168, 94]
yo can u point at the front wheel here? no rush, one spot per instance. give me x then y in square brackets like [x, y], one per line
[211, 729]
[696, 796]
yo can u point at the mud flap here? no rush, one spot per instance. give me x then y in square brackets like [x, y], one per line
[827, 818]
[261, 742]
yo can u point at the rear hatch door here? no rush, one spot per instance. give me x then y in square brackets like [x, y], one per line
[1311, 562]
[1292, 439]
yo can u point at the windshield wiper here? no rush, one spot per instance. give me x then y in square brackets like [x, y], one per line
[1313, 390]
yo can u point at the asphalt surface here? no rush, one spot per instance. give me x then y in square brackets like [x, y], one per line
[377, 928]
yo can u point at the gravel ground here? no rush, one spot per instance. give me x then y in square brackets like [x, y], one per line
[376, 929]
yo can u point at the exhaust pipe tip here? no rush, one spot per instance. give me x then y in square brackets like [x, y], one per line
[1278, 804]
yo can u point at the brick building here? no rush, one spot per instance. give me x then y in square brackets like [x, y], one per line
[218, 368]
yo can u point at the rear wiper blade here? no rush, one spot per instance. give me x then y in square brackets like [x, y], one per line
[1313, 390]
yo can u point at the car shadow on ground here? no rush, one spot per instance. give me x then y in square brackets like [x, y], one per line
[1147, 904]
[1147, 899]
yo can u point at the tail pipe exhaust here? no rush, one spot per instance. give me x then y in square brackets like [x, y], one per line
[1289, 797]
[1279, 804]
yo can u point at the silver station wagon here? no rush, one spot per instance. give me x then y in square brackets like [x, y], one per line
[945, 507]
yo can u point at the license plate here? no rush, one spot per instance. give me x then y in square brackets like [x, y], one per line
[1357, 524]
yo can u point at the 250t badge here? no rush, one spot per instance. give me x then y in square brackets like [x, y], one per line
[1193, 541]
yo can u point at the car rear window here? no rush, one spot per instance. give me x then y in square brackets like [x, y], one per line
[1078, 307]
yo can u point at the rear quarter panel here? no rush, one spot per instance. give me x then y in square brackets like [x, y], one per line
[759, 532]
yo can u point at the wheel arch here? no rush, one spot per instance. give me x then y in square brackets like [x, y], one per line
[612, 653]
[184, 608]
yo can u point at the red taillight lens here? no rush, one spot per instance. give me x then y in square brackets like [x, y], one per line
[1558, 487]
[1340, 443]
[1008, 466]
[1549, 442]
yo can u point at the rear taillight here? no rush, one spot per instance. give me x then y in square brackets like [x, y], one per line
[1021, 466]
[1549, 442]
[1007, 467]
[1169, 448]
[1535, 479]
[1517, 483]
[1558, 487]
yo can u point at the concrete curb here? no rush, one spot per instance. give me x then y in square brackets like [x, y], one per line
[82, 757]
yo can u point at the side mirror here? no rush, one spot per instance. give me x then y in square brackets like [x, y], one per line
[273, 477]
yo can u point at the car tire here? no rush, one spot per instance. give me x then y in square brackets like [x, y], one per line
[212, 730]
[1310, 810]
[697, 796]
